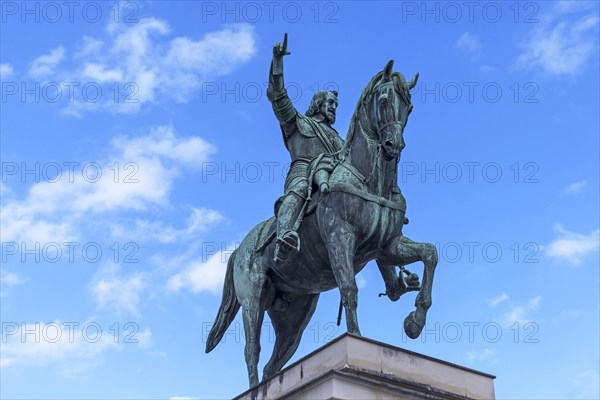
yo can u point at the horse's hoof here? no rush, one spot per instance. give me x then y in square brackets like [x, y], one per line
[413, 280]
[412, 327]
[395, 296]
[355, 332]
[268, 372]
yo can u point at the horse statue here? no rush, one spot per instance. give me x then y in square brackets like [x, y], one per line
[360, 219]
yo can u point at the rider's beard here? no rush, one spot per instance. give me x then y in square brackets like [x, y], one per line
[331, 117]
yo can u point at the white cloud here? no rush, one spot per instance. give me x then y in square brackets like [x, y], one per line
[576, 187]
[483, 355]
[6, 70]
[141, 63]
[522, 313]
[90, 46]
[9, 280]
[144, 338]
[117, 291]
[162, 142]
[44, 66]
[561, 44]
[568, 6]
[21, 225]
[494, 301]
[148, 165]
[200, 276]
[361, 282]
[470, 43]
[199, 221]
[100, 73]
[572, 247]
[218, 53]
[587, 384]
[72, 348]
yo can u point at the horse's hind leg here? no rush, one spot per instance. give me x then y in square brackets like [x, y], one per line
[289, 324]
[253, 294]
[404, 251]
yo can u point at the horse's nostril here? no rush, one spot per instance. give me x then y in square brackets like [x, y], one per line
[389, 143]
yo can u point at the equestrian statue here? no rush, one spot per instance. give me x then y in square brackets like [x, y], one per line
[341, 208]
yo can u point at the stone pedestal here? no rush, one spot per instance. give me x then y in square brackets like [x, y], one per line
[352, 368]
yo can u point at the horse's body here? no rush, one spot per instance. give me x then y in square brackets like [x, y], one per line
[359, 220]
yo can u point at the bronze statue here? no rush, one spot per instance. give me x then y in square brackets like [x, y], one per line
[358, 219]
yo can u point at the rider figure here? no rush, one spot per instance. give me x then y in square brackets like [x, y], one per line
[306, 137]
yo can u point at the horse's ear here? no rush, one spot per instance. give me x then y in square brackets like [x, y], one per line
[387, 71]
[413, 82]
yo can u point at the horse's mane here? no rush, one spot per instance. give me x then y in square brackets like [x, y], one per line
[401, 88]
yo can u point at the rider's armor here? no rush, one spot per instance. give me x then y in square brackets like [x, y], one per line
[305, 138]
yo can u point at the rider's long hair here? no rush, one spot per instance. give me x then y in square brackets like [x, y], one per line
[315, 104]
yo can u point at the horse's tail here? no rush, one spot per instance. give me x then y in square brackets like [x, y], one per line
[228, 310]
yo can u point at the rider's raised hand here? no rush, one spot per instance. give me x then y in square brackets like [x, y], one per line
[280, 48]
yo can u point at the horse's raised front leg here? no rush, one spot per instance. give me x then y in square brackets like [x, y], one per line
[397, 284]
[403, 251]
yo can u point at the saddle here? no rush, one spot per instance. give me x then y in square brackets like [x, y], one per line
[326, 162]
[269, 230]
[322, 162]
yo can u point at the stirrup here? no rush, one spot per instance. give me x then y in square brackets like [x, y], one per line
[288, 244]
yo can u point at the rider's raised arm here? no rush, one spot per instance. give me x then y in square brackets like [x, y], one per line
[276, 93]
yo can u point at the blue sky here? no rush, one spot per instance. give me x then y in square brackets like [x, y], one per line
[138, 148]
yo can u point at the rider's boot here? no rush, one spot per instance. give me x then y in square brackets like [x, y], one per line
[288, 241]
[322, 180]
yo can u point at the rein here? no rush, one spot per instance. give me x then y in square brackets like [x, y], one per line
[371, 137]
[382, 201]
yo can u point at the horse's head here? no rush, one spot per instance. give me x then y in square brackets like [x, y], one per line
[388, 107]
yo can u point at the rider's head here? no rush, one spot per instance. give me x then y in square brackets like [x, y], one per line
[324, 103]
